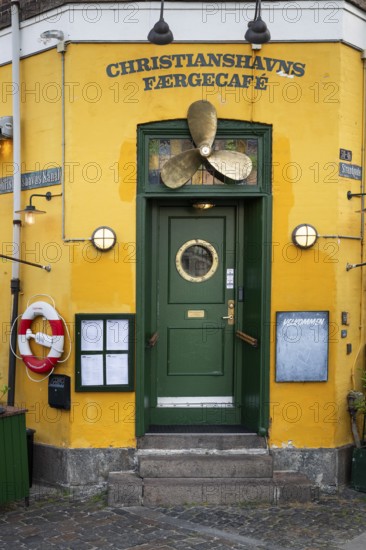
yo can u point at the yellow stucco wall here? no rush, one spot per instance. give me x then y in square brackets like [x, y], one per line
[312, 116]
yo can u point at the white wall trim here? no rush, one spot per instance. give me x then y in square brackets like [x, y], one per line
[218, 22]
[189, 401]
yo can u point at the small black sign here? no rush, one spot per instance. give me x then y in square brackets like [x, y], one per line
[345, 154]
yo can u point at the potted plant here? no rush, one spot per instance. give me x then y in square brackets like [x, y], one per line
[357, 408]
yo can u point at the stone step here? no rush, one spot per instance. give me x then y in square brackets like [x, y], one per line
[201, 441]
[215, 465]
[128, 489]
[289, 487]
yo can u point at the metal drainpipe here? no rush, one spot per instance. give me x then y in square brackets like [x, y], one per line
[363, 164]
[362, 263]
[63, 147]
[363, 151]
[15, 281]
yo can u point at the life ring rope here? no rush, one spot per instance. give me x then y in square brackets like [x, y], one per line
[11, 332]
[41, 379]
[69, 339]
[45, 296]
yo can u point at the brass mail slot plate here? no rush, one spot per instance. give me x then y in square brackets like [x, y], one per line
[196, 314]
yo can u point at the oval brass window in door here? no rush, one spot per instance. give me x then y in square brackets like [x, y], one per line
[196, 260]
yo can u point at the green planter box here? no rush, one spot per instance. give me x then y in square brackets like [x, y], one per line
[358, 476]
[14, 479]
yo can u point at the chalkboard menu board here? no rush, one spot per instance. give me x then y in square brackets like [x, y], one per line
[302, 346]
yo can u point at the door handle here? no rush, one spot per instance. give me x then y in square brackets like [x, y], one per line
[248, 339]
[153, 340]
[230, 317]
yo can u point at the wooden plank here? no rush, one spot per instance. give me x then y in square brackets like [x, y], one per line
[14, 479]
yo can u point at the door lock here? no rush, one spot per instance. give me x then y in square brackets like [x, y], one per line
[230, 312]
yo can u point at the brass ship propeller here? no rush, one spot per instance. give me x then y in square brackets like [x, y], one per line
[202, 123]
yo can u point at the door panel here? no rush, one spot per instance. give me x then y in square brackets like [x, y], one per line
[188, 341]
[194, 359]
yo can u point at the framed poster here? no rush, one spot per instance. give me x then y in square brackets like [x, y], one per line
[105, 345]
[302, 346]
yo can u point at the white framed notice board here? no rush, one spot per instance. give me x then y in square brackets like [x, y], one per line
[104, 349]
[302, 346]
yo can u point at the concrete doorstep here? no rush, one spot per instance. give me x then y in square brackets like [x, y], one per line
[129, 489]
[210, 466]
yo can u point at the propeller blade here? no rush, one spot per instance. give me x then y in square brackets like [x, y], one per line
[202, 122]
[234, 165]
[179, 169]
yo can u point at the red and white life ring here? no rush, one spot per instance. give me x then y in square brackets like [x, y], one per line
[54, 342]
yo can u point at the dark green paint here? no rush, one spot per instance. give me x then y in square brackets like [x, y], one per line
[226, 129]
[253, 258]
[14, 478]
[194, 357]
[358, 475]
[130, 352]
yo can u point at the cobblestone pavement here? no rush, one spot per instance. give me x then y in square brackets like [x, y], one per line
[332, 523]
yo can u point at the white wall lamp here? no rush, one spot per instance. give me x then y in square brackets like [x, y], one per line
[46, 36]
[304, 236]
[30, 211]
[103, 238]
[6, 127]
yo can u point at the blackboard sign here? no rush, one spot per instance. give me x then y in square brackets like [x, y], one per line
[302, 346]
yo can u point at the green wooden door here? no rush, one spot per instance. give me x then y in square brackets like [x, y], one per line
[194, 360]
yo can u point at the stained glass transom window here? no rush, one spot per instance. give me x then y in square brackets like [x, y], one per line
[161, 150]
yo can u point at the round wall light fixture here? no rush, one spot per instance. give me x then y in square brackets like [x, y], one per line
[304, 235]
[103, 238]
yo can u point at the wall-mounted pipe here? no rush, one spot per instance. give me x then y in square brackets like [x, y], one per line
[351, 237]
[63, 149]
[15, 281]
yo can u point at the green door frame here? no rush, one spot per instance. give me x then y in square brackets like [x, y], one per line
[257, 202]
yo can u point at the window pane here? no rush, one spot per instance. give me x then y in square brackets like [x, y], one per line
[197, 260]
[161, 150]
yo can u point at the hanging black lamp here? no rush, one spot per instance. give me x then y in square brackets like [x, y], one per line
[160, 33]
[30, 210]
[257, 32]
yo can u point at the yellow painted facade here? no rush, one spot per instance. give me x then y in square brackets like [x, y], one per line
[312, 115]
